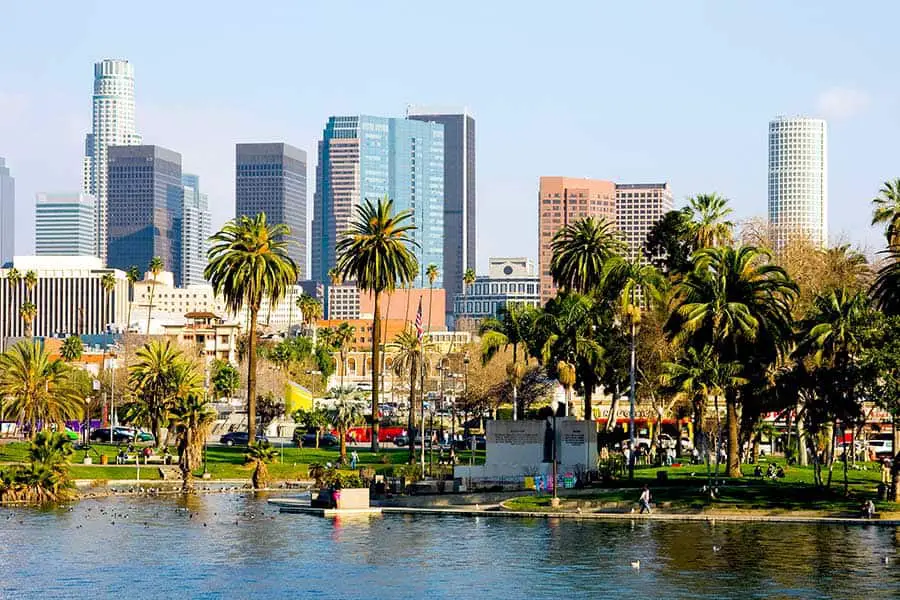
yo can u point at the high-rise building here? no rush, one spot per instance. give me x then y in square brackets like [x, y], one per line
[146, 204]
[365, 157]
[66, 225]
[459, 194]
[7, 214]
[638, 208]
[196, 226]
[798, 180]
[112, 124]
[561, 201]
[271, 178]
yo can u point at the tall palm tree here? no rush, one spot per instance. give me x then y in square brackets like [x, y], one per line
[833, 331]
[343, 339]
[31, 281]
[153, 379]
[192, 418]
[14, 276]
[409, 287]
[38, 390]
[133, 275]
[376, 253]
[886, 288]
[709, 225]
[511, 327]
[72, 348]
[887, 211]
[580, 251]
[108, 283]
[335, 276]
[310, 310]
[409, 357]
[346, 416]
[155, 267]
[565, 374]
[431, 271]
[28, 312]
[248, 261]
[740, 304]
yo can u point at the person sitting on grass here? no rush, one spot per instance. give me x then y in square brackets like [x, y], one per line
[779, 473]
[757, 471]
[770, 472]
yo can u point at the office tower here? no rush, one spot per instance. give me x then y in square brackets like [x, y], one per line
[271, 178]
[459, 194]
[365, 157]
[7, 214]
[146, 204]
[638, 207]
[798, 180]
[65, 225]
[564, 200]
[112, 124]
[196, 225]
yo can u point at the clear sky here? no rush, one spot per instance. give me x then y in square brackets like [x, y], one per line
[629, 91]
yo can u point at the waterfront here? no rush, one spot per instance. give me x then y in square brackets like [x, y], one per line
[235, 546]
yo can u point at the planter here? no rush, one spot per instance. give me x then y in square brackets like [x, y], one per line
[87, 461]
[104, 459]
[352, 498]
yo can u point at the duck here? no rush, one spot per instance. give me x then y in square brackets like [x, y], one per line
[635, 564]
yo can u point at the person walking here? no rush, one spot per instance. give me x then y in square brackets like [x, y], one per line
[354, 458]
[645, 500]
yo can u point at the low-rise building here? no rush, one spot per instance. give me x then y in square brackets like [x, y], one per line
[213, 338]
[509, 280]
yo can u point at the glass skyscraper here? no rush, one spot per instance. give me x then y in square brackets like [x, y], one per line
[365, 157]
[7, 214]
[146, 207]
[196, 228]
[271, 178]
[65, 225]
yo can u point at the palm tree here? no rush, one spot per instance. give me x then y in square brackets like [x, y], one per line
[468, 279]
[511, 327]
[342, 340]
[152, 380]
[346, 416]
[887, 211]
[248, 262]
[409, 356]
[886, 289]
[72, 348]
[580, 251]
[31, 281]
[565, 374]
[108, 283]
[739, 303]
[375, 252]
[133, 275]
[310, 310]
[38, 390]
[708, 220]
[258, 455]
[192, 418]
[14, 276]
[28, 312]
[155, 267]
[431, 271]
[834, 329]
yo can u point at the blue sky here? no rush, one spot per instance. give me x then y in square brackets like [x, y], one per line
[628, 91]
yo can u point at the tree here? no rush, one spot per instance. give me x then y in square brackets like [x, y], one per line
[258, 455]
[38, 390]
[268, 408]
[886, 289]
[225, 379]
[375, 252]
[468, 280]
[155, 268]
[882, 361]
[580, 251]
[248, 261]
[346, 416]
[738, 303]
[133, 275]
[431, 271]
[153, 381]
[46, 479]
[708, 220]
[409, 358]
[28, 312]
[344, 336]
[315, 419]
[31, 281]
[192, 418]
[511, 327]
[108, 283]
[670, 242]
[310, 310]
[14, 276]
[72, 348]
[887, 211]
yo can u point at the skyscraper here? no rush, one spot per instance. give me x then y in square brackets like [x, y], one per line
[563, 200]
[638, 207]
[271, 178]
[365, 157]
[196, 225]
[146, 204]
[459, 194]
[65, 225]
[798, 180]
[7, 214]
[112, 124]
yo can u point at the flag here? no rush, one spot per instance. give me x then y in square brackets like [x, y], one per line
[419, 331]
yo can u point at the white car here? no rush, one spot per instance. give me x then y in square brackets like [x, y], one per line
[882, 447]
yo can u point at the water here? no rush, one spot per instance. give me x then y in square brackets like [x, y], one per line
[235, 546]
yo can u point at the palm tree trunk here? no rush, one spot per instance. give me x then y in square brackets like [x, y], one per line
[343, 458]
[150, 304]
[251, 376]
[802, 454]
[588, 397]
[515, 380]
[376, 369]
[613, 407]
[411, 419]
[734, 456]
[631, 400]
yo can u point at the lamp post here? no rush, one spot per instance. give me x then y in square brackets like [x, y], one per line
[554, 406]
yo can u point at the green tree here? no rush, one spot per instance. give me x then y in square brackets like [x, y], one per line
[28, 313]
[315, 419]
[193, 418]
[882, 360]
[46, 479]
[310, 310]
[511, 327]
[580, 253]
[153, 381]
[248, 261]
[739, 304]
[375, 253]
[887, 211]
[31, 281]
[133, 275]
[72, 348]
[886, 289]
[346, 416]
[258, 455]
[409, 359]
[155, 268]
[432, 273]
[225, 379]
[38, 390]
[709, 224]
[343, 340]
[670, 242]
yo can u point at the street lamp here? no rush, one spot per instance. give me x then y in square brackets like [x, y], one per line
[554, 406]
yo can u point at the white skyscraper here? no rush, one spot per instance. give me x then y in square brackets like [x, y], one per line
[112, 125]
[7, 214]
[798, 180]
[196, 225]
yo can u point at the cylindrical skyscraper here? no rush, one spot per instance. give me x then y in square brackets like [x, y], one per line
[798, 180]
[112, 125]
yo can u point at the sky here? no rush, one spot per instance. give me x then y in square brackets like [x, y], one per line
[628, 91]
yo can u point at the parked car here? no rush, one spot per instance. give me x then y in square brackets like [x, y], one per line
[240, 438]
[326, 440]
[882, 448]
[120, 434]
[401, 440]
[466, 443]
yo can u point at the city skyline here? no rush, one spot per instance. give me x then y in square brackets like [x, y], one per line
[705, 138]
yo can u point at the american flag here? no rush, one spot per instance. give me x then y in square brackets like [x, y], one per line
[419, 331]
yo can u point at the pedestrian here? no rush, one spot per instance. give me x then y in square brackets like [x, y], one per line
[354, 458]
[147, 453]
[885, 471]
[645, 500]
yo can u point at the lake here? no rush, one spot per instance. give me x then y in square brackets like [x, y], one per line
[236, 546]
